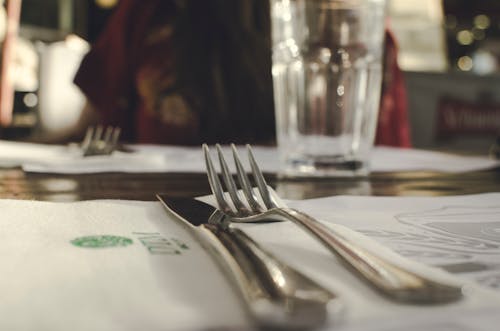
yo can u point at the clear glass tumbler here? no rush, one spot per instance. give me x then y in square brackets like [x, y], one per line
[327, 75]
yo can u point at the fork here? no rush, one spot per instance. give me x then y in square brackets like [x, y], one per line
[100, 142]
[390, 279]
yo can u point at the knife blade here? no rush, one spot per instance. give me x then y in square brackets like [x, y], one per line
[275, 294]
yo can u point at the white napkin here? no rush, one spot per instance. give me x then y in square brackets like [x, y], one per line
[409, 159]
[68, 159]
[164, 158]
[144, 158]
[382, 159]
[155, 276]
[156, 158]
[14, 154]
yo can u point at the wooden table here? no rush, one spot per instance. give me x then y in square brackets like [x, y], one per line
[16, 184]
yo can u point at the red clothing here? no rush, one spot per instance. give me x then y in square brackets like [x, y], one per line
[393, 126]
[129, 76]
[118, 74]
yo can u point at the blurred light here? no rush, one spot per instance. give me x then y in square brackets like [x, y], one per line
[478, 34]
[465, 37]
[484, 62]
[464, 63]
[451, 22]
[482, 22]
[340, 90]
[30, 100]
[106, 3]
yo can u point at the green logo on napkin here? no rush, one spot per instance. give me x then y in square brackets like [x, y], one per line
[159, 245]
[101, 241]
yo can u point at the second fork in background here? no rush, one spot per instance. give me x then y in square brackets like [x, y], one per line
[100, 142]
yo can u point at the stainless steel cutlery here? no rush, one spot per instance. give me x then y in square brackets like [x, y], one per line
[390, 279]
[276, 295]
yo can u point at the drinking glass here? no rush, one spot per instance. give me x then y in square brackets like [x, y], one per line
[327, 74]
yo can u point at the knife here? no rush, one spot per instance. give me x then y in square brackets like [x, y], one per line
[276, 295]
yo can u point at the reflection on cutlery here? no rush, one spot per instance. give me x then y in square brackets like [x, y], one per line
[390, 279]
[100, 142]
[276, 295]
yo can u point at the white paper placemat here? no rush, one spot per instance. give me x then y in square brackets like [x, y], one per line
[125, 265]
[163, 158]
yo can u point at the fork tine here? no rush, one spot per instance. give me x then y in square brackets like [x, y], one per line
[88, 137]
[245, 182]
[111, 141]
[107, 134]
[215, 184]
[230, 184]
[115, 137]
[261, 182]
[106, 139]
[98, 133]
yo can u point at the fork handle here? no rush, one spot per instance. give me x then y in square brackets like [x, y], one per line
[276, 295]
[390, 279]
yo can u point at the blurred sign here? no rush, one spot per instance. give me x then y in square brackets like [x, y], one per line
[417, 25]
[457, 117]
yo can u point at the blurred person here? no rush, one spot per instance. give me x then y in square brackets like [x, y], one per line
[183, 72]
[188, 72]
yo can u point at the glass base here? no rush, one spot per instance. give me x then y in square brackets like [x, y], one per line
[321, 166]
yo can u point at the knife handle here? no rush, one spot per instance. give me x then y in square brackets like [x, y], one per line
[276, 295]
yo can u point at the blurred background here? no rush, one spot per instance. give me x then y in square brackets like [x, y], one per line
[449, 51]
